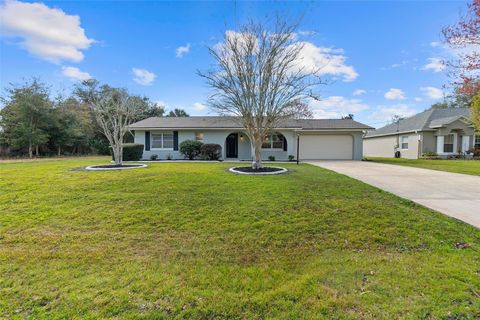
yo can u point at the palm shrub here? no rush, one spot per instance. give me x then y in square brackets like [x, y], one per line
[190, 148]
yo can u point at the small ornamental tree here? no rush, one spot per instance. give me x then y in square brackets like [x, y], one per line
[464, 38]
[114, 110]
[260, 80]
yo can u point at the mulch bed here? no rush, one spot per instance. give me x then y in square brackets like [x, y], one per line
[251, 170]
[109, 166]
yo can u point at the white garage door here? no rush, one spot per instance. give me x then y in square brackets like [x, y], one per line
[327, 147]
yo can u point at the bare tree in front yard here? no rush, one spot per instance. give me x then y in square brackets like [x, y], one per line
[114, 110]
[259, 78]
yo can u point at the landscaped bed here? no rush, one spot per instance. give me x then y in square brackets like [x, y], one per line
[191, 240]
[259, 171]
[471, 167]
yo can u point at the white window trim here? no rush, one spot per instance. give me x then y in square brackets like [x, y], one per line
[271, 143]
[443, 153]
[162, 133]
[401, 142]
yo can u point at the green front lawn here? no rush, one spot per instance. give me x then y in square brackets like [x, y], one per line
[471, 167]
[191, 240]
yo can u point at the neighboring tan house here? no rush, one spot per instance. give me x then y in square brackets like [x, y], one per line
[317, 138]
[446, 132]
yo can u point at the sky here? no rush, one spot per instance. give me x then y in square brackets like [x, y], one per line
[380, 58]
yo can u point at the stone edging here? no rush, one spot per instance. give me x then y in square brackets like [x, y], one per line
[94, 168]
[283, 170]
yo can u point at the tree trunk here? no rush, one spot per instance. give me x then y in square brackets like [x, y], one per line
[59, 151]
[36, 151]
[257, 151]
[30, 151]
[117, 155]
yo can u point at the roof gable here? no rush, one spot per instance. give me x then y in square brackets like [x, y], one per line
[427, 120]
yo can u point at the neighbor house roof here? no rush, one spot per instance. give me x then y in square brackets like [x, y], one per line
[232, 123]
[423, 121]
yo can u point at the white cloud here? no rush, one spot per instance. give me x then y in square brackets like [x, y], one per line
[197, 106]
[47, 33]
[395, 65]
[75, 73]
[307, 33]
[336, 106]
[434, 64]
[143, 77]
[327, 61]
[385, 113]
[394, 94]
[418, 99]
[435, 44]
[432, 92]
[182, 50]
[359, 92]
[322, 60]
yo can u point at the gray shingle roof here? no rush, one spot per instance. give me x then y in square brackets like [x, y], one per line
[232, 123]
[426, 120]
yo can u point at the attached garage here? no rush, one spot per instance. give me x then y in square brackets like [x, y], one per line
[326, 147]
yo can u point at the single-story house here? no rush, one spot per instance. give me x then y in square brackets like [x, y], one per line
[314, 138]
[443, 131]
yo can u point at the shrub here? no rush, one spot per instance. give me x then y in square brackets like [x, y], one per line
[132, 151]
[476, 152]
[154, 157]
[271, 158]
[291, 157]
[190, 148]
[211, 151]
[169, 157]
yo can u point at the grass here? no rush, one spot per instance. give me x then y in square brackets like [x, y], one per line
[191, 240]
[471, 167]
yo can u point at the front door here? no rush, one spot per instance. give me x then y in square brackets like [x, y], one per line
[232, 146]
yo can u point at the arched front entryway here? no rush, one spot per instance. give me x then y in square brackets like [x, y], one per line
[237, 146]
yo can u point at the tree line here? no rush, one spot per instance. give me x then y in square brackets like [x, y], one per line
[36, 122]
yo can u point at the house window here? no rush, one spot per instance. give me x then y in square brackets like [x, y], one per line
[448, 143]
[199, 136]
[273, 141]
[404, 142]
[162, 140]
[477, 141]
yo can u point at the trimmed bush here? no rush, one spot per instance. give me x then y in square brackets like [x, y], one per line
[291, 157]
[190, 148]
[154, 157]
[271, 158]
[211, 151]
[132, 151]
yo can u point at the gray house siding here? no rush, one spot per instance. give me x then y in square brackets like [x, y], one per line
[244, 147]
[217, 137]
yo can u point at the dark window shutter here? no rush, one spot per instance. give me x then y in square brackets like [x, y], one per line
[284, 143]
[147, 140]
[175, 140]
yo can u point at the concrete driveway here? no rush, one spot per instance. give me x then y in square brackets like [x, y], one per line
[456, 195]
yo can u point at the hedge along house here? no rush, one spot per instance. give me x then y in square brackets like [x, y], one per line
[312, 138]
[446, 132]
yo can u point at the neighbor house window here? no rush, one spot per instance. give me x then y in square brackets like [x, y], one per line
[273, 141]
[199, 136]
[477, 141]
[448, 143]
[404, 142]
[162, 140]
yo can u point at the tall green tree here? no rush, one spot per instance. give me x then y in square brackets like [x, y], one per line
[177, 113]
[26, 116]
